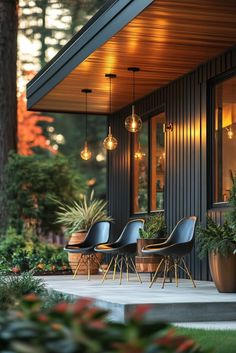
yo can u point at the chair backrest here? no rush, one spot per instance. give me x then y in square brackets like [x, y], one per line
[183, 231]
[130, 233]
[98, 233]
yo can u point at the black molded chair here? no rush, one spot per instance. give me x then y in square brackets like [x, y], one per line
[98, 233]
[178, 244]
[123, 249]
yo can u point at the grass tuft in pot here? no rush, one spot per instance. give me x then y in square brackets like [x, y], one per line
[81, 215]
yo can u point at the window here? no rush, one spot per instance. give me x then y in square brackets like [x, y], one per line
[157, 162]
[140, 170]
[224, 139]
[148, 168]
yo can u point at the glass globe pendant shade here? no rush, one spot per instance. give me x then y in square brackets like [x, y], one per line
[110, 143]
[133, 123]
[139, 154]
[85, 154]
[230, 133]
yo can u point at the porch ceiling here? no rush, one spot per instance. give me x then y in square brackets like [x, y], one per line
[165, 38]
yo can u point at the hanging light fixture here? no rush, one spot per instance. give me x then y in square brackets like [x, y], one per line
[138, 155]
[133, 122]
[86, 154]
[230, 133]
[110, 142]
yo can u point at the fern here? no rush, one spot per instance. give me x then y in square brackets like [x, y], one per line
[215, 238]
[154, 227]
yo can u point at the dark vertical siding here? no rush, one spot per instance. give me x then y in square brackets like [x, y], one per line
[185, 102]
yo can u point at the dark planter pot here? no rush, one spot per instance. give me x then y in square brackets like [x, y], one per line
[223, 272]
[147, 263]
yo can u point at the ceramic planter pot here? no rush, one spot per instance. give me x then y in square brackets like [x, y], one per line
[76, 238]
[147, 263]
[223, 272]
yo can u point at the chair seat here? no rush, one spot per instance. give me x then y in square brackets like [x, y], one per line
[168, 249]
[116, 248]
[78, 248]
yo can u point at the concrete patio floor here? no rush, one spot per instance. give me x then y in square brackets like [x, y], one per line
[184, 304]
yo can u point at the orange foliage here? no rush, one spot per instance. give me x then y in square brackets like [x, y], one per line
[29, 133]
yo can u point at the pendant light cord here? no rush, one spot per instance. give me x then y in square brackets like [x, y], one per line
[86, 115]
[110, 94]
[133, 86]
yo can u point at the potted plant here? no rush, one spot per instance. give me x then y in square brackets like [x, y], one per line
[218, 241]
[154, 231]
[76, 219]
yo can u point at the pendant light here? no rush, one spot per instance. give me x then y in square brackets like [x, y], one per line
[133, 122]
[138, 155]
[110, 143]
[230, 133]
[86, 154]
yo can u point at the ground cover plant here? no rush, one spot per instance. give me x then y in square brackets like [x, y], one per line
[79, 327]
[217, 341]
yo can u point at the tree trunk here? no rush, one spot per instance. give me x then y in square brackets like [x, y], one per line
[8, 104]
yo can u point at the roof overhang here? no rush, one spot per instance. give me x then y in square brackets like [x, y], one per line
[165, 38]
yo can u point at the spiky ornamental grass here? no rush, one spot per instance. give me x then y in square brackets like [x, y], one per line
[81, 215]
[14, 287]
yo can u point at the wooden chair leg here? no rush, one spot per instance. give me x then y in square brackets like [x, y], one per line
[78, 266]
[115, 266]
[88, 264]
[188, 273]
[107, 270]
[135, 270]
[155, 274]
[164, 275]
[121, 267]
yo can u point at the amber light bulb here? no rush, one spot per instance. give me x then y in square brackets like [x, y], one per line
[110, 142]
[139, 154]
[230, 133]
[85, 154]
[133, 122]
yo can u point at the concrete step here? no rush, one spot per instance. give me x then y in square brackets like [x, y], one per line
[171, 304]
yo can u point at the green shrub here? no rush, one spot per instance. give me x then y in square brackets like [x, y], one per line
[32, 183]
[154, 227]
[26, 252]
[81, 328]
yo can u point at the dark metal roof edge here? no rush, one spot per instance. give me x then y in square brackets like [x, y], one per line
[96, 32]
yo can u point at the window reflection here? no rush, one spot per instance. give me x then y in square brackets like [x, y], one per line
[225, 138]
[157, 162]
[140, 170]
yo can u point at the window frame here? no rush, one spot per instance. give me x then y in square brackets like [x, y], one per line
[211, 90]
[145, 117]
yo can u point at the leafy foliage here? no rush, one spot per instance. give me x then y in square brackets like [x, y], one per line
[81, 215]
[14, 287]
[29, 133]
[215, 238]
[231, 216]
[23, 252]
[32, 184]
[79, 327]
[154, 227]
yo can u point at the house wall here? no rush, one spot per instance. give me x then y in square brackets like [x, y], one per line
[185, 104]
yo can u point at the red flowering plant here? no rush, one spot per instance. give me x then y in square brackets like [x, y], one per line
[82, 328]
